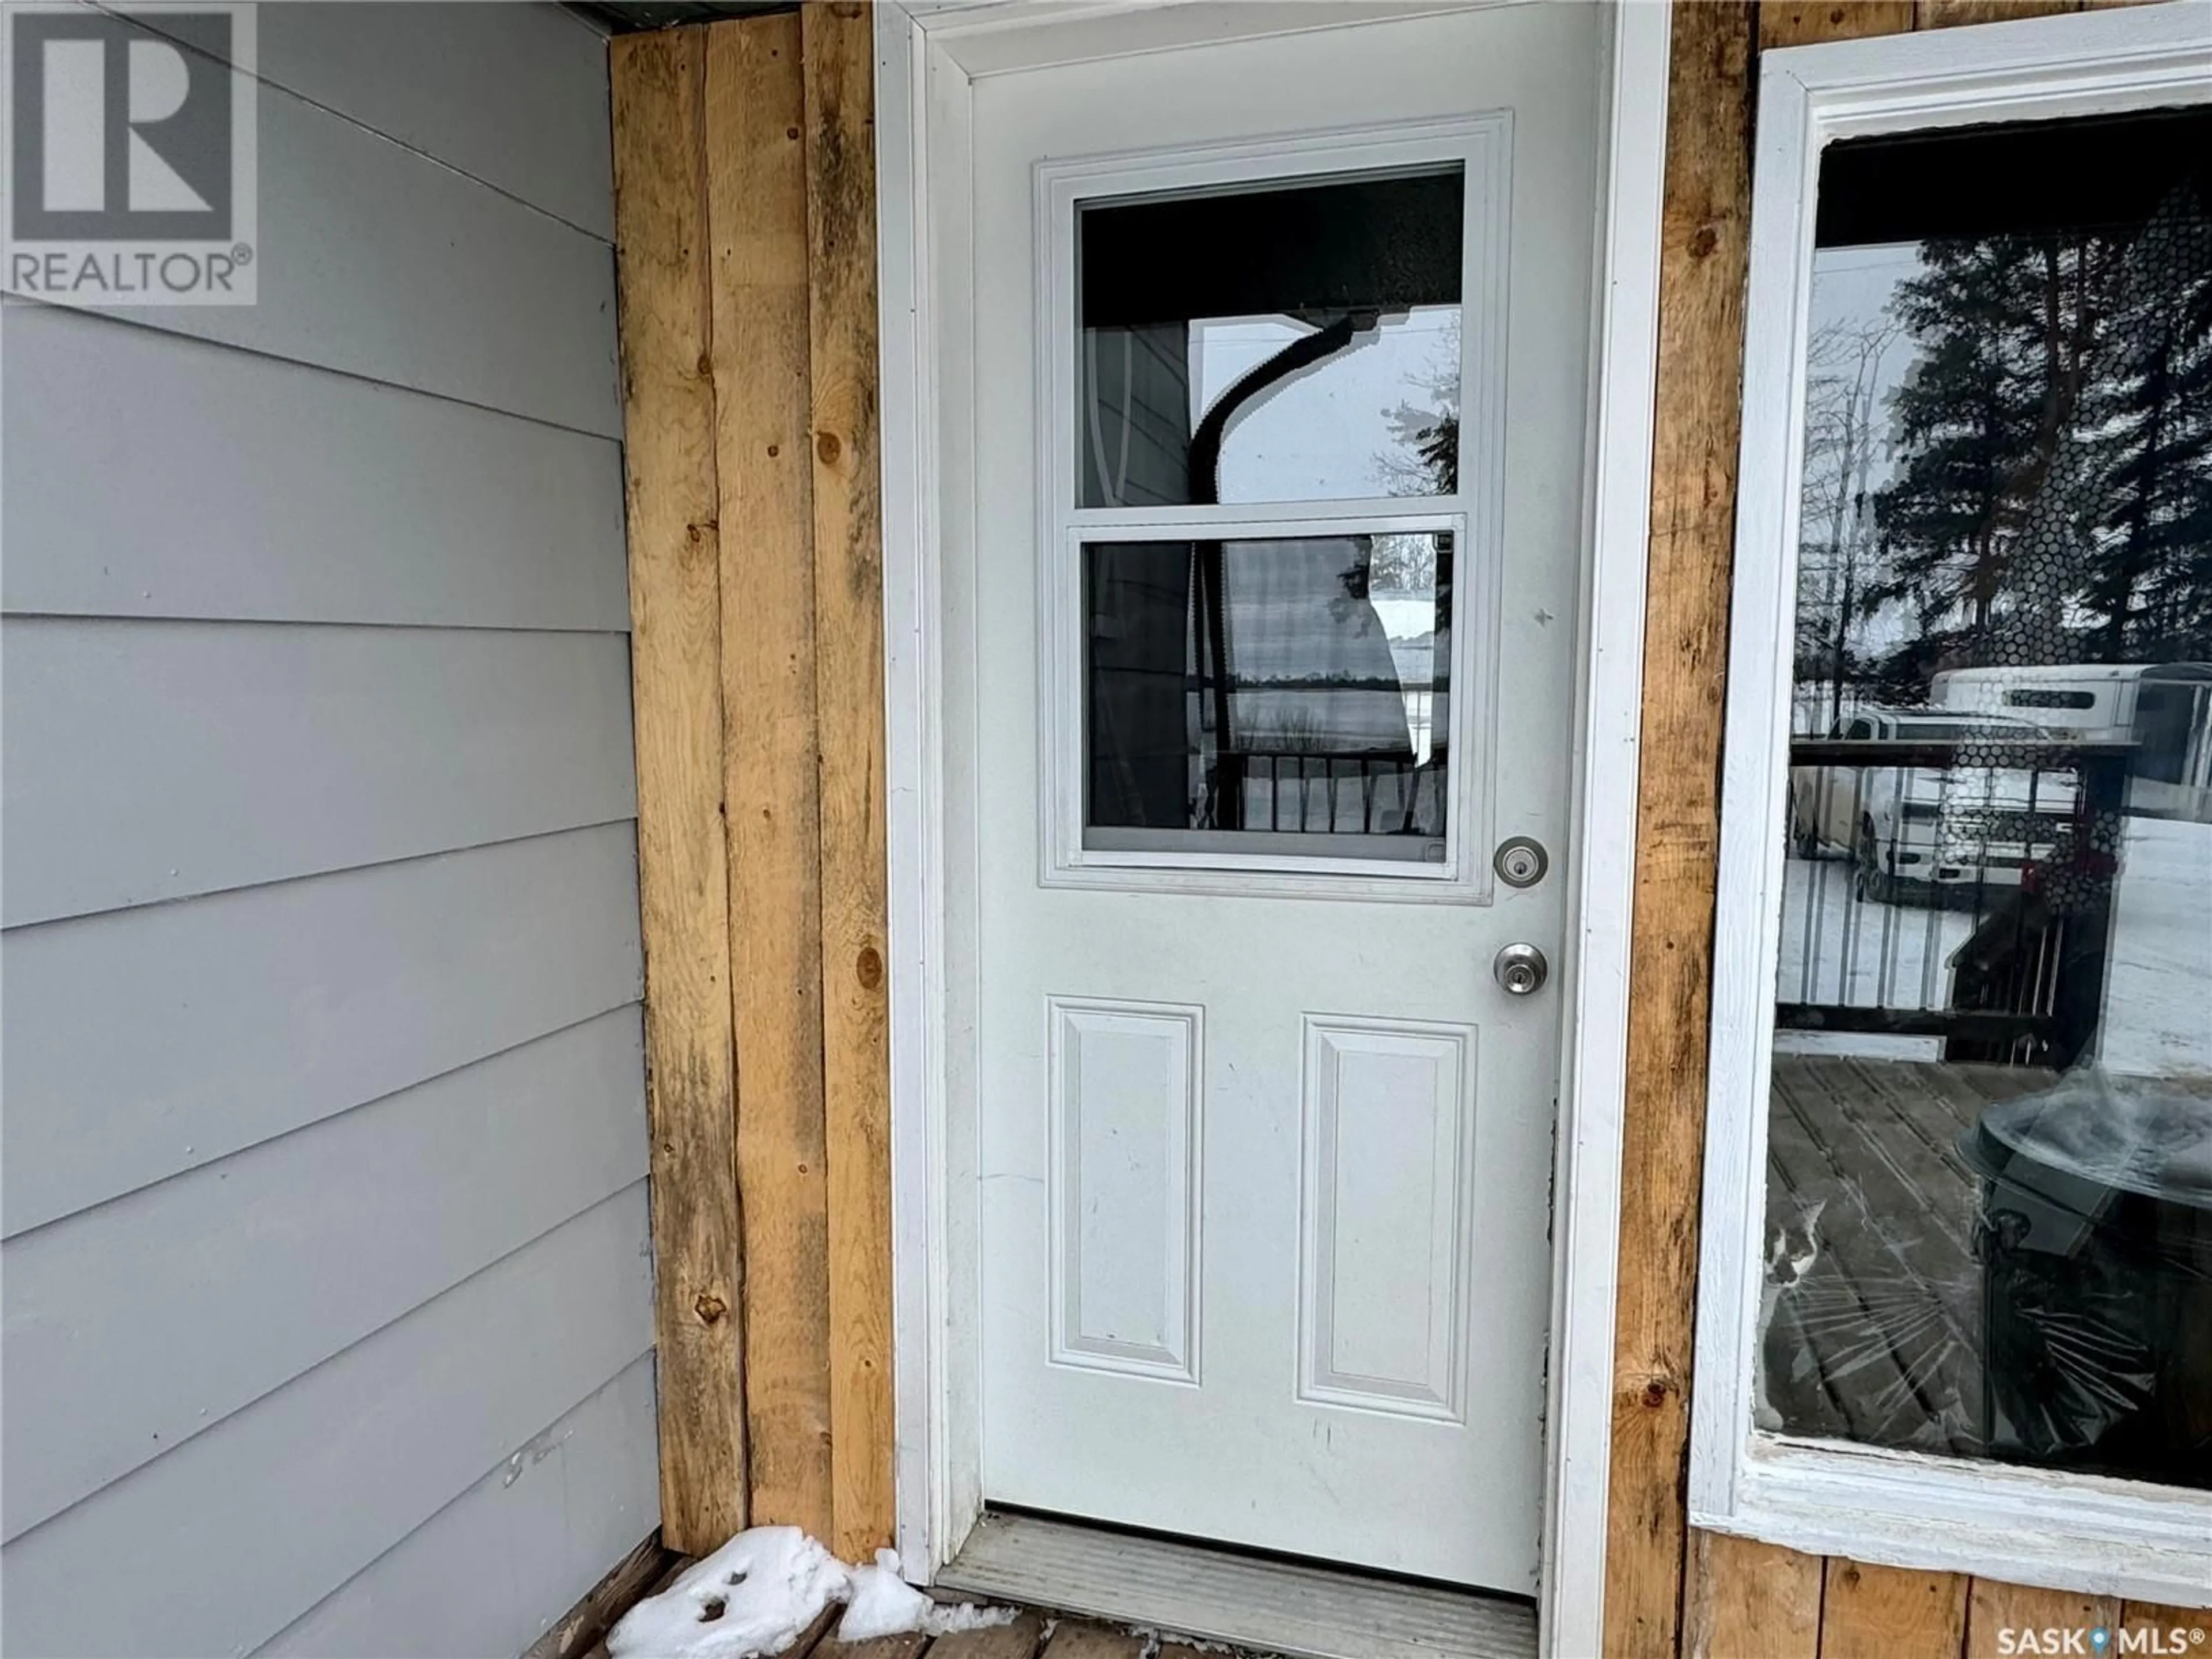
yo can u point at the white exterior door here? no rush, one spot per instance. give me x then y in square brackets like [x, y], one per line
[1280, 351]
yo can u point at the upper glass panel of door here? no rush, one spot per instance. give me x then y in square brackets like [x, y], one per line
[1296, 342]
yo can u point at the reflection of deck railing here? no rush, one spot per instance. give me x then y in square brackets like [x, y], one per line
[1941, 754]
[1303, 778]
[1303, 792]
[2009, 835]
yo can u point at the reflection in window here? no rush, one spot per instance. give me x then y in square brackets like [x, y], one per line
[1285, 695]
[1989, 1169]
[1300, 343]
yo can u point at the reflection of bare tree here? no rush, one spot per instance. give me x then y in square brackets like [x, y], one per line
[1835, 542]
[1427, 463]
[1403, 564]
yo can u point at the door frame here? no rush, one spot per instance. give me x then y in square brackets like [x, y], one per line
[928, 53]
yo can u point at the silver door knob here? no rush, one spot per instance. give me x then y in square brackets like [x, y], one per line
[1522, 969]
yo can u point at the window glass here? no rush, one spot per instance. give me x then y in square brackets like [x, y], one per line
[1990, 1147]
[1295, 342]
[1285, 695]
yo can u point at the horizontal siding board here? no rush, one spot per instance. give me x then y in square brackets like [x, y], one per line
[513, 94]
[148, 475]
[149, 760]
[378, 261]
[140, 1044]
[293, 1250]
[490, 1572]
[329, 1304]
[218, 1545]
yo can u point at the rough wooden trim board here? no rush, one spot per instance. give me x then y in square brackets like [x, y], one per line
[668, 401]
[745, 213]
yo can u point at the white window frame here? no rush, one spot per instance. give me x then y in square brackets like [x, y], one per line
[1480, 146]
[2065, 1531]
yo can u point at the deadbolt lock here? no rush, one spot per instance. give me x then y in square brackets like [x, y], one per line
[1522, 969]
[1521, 861]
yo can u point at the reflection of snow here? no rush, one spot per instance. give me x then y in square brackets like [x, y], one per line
[2158, 1002]
[1406, 616]
[2158, 997]
[1839, 949]
[1417, 647]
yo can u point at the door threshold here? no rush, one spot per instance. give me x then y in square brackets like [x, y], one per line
[1289, 1607]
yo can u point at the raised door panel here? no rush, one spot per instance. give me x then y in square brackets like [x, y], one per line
[1388, 1129]
[1125, 1131]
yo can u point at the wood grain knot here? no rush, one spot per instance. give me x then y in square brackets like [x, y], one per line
[870, 967]
[774, 450]
[1703, 244]
[791, 132]
[827, 447]
[706, 367]
[710, 1307]
[1655, 1393]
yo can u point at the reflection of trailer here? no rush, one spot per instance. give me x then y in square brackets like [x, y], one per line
[2163, 709]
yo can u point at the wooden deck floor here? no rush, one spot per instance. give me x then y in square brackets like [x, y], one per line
[1032, 1635]
[1227, 1605]
[1880, 1343]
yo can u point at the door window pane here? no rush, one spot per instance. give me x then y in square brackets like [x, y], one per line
[1286, 695]
[1989, 1169]
[1299, 343]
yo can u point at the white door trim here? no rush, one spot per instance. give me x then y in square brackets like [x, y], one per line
[928, 54]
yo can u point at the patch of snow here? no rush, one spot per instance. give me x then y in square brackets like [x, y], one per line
[884, 1604]
[760, 1592]
[754, 1596]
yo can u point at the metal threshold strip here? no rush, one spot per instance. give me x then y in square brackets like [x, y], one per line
[1276, 1607]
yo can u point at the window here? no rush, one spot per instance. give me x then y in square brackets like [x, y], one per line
[1299, 343]
[1271, 501]
[1238, 692]
[1960, 1197]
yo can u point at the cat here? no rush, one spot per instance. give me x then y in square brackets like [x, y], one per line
[1792, 1248]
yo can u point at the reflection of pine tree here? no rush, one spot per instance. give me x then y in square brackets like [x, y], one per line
[1433, 439]
[2152, 408]
[2088, 353]
[2004, 324]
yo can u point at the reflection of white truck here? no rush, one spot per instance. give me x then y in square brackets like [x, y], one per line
[1930, 827]
[2165, 709]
